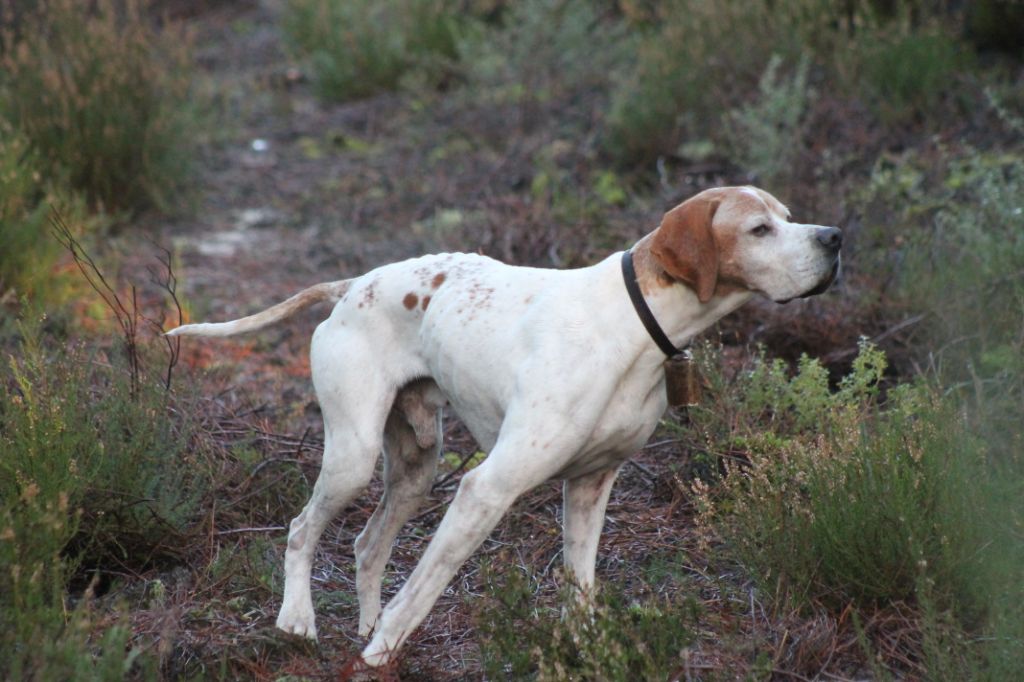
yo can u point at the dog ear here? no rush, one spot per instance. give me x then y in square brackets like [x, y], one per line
[685, 246]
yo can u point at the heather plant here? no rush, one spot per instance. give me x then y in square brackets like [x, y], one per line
[111, 458]
[30, 253]
[764, 135]
[952, 250]
[688, 70]
[835, 496]
[545, 56]
[905, 71]
[607, 638]
[104, 97]
[42, 635]
[957, 225]
[357, 49]
[93, 475]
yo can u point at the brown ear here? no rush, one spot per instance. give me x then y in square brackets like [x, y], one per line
[685, 247]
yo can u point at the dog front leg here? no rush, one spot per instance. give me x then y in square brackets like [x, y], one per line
[483, 497]
[584, 502]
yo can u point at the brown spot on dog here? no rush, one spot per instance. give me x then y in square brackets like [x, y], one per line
[438, 280]
[369, 294]
[425, 303]
[410, 300]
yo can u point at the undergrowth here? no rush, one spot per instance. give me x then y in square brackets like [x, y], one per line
[98, 473]
[845, 497]
[609, 637]
[838, 494]
[359, 48]
[105, 97]
[543, 57]
[29, 255]
[956, 221]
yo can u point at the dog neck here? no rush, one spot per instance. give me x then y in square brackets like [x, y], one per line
[674, 303]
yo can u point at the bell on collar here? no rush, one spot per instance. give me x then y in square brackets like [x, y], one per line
[682, 380]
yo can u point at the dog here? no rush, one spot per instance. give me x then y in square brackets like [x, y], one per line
[553, 372]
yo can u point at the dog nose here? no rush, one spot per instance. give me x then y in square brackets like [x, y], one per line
[830, 237]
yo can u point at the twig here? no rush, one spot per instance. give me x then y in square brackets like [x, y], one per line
[837, 355]
[261, 529]
[454, 472]
[126, 313]
[169, 283]
[127, 319]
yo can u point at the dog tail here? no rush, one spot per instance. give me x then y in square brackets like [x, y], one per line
[327, 291]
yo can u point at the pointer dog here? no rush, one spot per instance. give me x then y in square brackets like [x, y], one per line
[551, 370]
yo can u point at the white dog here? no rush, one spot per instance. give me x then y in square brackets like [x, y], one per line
[552, 371]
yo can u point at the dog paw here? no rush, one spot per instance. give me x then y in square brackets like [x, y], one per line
[297, 622]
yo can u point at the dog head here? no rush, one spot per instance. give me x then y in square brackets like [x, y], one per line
[735, 238]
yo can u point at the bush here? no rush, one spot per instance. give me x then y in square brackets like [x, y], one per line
[30, 253]
[688, 71]
[359, 48]
[953, 249]
[543, 57]
[96, 473]
[764, 135]
[696, 60]
[41, 636]
[105, 99]
[906, 74]
[845, 502]
[609, 639]
[80, 436]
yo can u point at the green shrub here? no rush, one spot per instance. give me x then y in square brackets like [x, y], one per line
[696, 60]
[764, 135]
[689, 70]
[105, 99]
[948, 233]
[80, 437]
[830, 498]
[906, 74]
[42, 635]
[607, 639]
[96, 473]
[545, 54]
[359, 48]
[30, 253]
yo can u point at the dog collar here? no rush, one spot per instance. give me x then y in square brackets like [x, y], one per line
[643, 311]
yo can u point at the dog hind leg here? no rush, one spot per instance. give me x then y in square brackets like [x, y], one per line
[334, 489]
[412, 440]
[353, 439]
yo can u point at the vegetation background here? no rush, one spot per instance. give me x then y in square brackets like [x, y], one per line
[848, 502]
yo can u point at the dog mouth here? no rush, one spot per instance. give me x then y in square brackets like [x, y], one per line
[822, 286]
[826, 283]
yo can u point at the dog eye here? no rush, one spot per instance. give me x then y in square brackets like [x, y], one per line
[761, 230]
